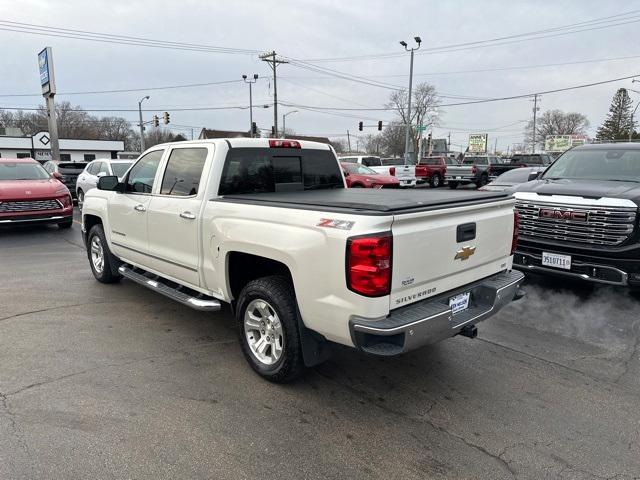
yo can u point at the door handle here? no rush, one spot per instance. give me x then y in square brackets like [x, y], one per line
[140, 208]
[188, 215]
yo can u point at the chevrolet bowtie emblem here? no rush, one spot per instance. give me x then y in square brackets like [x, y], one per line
[464, 253]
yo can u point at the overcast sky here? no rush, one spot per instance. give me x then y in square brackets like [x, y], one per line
[318, 30]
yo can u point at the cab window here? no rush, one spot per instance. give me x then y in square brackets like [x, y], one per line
[93, 168]
[141, 176]
[183, 172]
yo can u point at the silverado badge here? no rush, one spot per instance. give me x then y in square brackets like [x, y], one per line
[464, 253]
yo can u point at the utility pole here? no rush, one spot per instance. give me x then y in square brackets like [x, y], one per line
[349, 141]
[273, 62]
[250, 82]
[449, 142]
[408, 150]
[535, 113]
[495, 146]
[142, 149]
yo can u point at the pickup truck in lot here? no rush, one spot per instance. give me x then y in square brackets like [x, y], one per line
[406, 174]
[580, 218]
[434, 169]
[520, 160]
[267, 226]
[476, 169]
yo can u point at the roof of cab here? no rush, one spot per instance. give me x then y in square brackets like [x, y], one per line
[249, 143]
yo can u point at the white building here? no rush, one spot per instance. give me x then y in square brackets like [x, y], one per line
[39, 147]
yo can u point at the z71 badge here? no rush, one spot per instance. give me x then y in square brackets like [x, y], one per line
[333, 223]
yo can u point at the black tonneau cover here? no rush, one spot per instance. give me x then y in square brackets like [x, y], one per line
[367, 201]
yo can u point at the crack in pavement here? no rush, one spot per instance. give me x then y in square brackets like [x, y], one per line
[13, 424]
[48, 309]
[503, 463]
[627, 363]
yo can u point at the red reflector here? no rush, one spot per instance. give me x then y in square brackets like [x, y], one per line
[284, 144]
[474, 169]
[516, 231]
[392, 171]
[369, 264]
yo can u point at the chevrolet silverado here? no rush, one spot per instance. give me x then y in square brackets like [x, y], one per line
[267, 226]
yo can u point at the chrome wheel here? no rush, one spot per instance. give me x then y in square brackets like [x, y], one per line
[264, 332]
[97, 254]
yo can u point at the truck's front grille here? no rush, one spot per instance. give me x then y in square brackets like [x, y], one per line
[29, 206]
[589, 225]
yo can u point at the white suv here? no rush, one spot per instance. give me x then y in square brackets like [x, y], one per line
[100, 167]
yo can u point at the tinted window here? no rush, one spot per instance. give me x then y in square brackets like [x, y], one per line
[71, 167]
[119, 169]
[141, 176]
[103, 168]
[93, 168]
[183, 172]
[614, 164]
[371, 161]
[261, 170]
[475, 161]
[349, 160]
[392, 161]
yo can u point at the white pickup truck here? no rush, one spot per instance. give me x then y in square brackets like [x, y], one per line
[267, 226]
[406, 174]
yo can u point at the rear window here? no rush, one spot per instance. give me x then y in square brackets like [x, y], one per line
[451, 161]
[71, 166]
[532, 159]
[475, 161]
[392, 161]
[371, 161]
[264, 170]
[431, 161]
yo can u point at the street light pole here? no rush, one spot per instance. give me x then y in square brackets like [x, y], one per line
[634, 111]
[250, 82]
[284, 120]
[142, 149]
[407, 143]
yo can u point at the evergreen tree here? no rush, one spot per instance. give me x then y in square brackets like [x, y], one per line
[618, 122]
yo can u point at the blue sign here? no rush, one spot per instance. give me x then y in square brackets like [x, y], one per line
[43, 64]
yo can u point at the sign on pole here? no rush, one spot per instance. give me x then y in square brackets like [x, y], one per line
[561, 143]
[478, 142]
[47, 78]
[421, 128]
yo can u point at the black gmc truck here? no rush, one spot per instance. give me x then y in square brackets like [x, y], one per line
[580, 218]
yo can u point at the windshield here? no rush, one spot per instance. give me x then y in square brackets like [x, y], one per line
[614, 164]
[357, 169]
[22, 171]
[119, 169]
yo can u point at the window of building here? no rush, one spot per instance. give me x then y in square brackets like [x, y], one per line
[183, 172]
[23, 155]
[88, 157]
[65, 157]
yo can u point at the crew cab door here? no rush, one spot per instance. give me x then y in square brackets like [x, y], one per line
[128, 210]
[174, 214]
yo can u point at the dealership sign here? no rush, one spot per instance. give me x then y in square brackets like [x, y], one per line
[478, 143]
[561, 143]
[45, 65]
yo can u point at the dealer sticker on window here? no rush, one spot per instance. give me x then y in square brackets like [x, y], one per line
[459, 303]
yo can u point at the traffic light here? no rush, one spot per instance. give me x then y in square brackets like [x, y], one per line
[155, 121]
[360, 126]
[165, 118]
[379, 125]
[254, 128]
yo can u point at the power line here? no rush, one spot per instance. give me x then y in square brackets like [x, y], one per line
[193, 109]
[537, 34]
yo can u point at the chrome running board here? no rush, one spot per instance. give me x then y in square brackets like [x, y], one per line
[198, 301]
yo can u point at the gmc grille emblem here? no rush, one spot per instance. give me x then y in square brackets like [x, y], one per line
[563, 215]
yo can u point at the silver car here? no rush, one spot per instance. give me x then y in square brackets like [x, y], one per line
[100, 167]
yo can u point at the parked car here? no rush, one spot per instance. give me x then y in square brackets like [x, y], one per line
[580, 219]
[511, 178]
[476, 169]
[406, 174]
[68, 171]
[267, 226]
[101, 167]
[434, 169]
[359, 176]
[29, 194]
[523, 160]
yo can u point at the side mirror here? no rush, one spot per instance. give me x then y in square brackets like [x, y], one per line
[57, 175]
[109, 183]
[101, 174]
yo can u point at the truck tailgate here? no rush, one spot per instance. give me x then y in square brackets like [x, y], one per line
[460, 171]
[431, 255]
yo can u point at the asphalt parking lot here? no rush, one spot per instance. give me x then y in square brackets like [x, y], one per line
[113, 381]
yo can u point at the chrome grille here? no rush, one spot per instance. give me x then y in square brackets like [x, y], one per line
[29, 206]
[603, 226]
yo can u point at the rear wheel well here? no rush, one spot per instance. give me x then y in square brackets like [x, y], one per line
[245, 267]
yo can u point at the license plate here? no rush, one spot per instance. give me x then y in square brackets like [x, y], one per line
[556, 260]
[458, 178]
[459, 303]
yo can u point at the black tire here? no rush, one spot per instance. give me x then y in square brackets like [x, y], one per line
[356, 186]
[484, 179]
[278, 292]
[435, 181]
[106, 274]
[453, 185]
[66, 224]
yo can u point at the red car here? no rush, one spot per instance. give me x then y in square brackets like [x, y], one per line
[433, 169]
[360, 176]
[28, 194]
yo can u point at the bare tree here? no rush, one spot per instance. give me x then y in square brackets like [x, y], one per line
[556, 122]
[424, 101]
[392, 139]
[339, 145]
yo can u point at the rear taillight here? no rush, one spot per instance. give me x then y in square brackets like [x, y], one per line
[516, 230]
[284, 144]
[474, 169]
[392, 171]
[369, 264]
